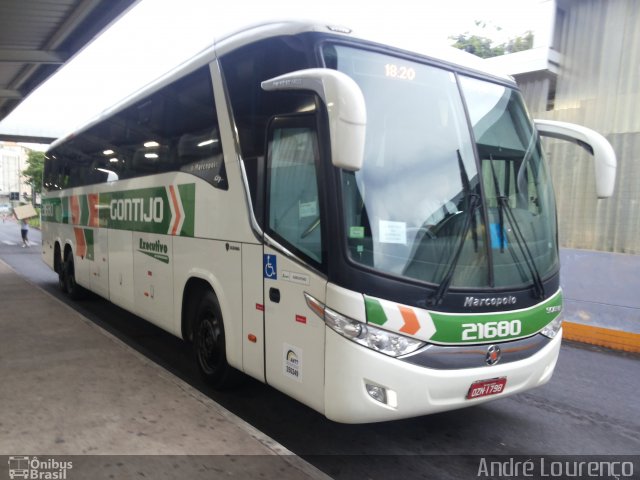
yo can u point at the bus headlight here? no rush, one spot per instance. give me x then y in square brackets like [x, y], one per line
[371, 337]
[552, 329]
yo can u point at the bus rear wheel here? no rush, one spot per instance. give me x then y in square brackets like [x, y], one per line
[209, 344]
[62, 283]
[67, 279]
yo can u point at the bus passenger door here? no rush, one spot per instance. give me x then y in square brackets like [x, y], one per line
[293, 262]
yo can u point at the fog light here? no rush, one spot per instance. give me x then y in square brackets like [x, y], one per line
[552, 329]
[377, 392]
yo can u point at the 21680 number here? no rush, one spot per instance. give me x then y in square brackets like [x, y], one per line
[490, 330]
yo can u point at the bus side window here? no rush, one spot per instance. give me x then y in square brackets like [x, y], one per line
[293, 202]
[200, 154]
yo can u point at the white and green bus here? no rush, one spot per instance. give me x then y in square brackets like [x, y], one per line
[369, 230]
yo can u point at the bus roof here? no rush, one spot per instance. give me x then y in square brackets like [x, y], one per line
[233, 38]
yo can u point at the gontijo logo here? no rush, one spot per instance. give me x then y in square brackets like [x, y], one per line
[134, 209]
[167, 210]
[164, 210]
[148, 207]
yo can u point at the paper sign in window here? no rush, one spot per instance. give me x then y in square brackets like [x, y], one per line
[308, 209]
[392, 232]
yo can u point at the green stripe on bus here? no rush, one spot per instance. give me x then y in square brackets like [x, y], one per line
[374, 310]
[459, 328]
[452, 328]
[88, 238]
[188, 197]
[66, 210]
[84, 210]
[142, 210]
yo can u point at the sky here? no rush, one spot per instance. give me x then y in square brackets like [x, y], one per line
[157, 35]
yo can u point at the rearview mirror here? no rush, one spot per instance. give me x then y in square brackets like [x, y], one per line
[602, 151]
[345, 106]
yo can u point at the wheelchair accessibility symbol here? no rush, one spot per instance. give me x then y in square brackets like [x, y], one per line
[270, 267]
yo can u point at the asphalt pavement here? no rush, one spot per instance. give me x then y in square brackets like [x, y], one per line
[75, 396]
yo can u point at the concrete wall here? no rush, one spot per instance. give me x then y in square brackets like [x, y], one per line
[597, 85]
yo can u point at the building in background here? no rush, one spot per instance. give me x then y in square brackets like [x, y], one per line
[13, 160]
[585, 68]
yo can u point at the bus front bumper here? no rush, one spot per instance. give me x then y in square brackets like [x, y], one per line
[411, 390]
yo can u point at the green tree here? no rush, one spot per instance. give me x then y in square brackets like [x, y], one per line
[519, 44]
[477, 45]
[483, 46]
[33, 172]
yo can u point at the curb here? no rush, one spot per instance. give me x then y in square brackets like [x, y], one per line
[602, 337]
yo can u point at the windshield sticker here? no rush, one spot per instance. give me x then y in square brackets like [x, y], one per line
[392, 232]
[308, 209]
[356, 232]
[498, 241]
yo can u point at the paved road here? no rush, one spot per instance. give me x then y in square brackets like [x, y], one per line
[590, 406]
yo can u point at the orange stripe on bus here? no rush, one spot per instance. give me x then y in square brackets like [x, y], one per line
[93, 200]
[75, 209]
[176, 207]
[81, 244]
[411, 323]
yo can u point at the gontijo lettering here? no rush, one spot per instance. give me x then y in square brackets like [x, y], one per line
[137, 209]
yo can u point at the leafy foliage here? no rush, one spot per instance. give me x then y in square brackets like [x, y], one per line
[33, 172]
[477, 45]
[483, 46]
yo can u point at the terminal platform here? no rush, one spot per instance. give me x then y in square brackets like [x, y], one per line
[70, 388]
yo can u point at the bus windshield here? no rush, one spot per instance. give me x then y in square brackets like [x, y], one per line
[436, 201]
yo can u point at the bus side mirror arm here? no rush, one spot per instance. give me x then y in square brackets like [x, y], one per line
[345, 106]
[602, 151]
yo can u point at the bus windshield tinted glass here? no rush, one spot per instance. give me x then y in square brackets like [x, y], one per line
[517, 187]
[416, 209]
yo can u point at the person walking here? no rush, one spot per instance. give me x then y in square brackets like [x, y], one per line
[24, 230]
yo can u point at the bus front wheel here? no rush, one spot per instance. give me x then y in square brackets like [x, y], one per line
[209, 344]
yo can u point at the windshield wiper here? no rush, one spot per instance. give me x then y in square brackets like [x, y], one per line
[505, 208]
[436, 299]
[473, 201]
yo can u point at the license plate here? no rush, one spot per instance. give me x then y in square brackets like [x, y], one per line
[484, 388]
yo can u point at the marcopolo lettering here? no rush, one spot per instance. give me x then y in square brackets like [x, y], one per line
[137, 209]
[489, 301]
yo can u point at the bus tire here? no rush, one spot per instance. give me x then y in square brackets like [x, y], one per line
[209, 344]
[57, 267]
[75, 291]
[62, 283]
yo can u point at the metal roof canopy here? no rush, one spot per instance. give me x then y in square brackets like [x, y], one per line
[37, 37]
